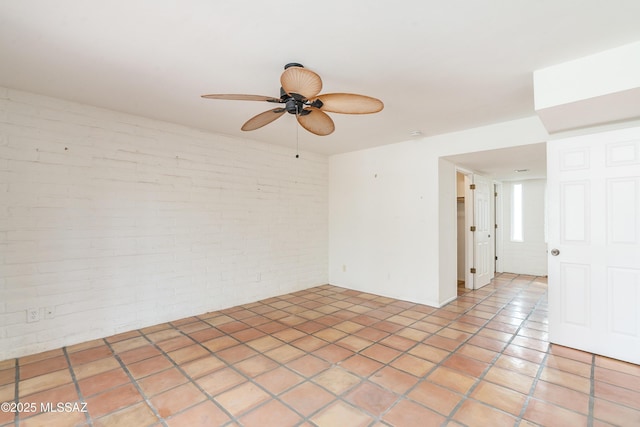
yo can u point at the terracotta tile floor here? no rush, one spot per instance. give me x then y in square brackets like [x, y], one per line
[329, 356]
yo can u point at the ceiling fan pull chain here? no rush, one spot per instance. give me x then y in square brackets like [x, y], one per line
[297, 133]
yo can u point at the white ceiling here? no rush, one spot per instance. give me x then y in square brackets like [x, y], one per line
[439, 66]
[506, 164]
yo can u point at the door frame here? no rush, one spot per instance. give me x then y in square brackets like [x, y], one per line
[468, 221]
[499, 225]
[490, 263]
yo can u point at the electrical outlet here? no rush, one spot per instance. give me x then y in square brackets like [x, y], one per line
[33, 315]
[344, 268]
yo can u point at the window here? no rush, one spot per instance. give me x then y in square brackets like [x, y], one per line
[516, 213]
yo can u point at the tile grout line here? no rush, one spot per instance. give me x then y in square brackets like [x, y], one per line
[592, 392]
[307, 379]
[378, 418]
[251, 380]
[16, 414]
[543, 362]
[76, 384]
[183, 372]
[467, 395]
[338, 397]
[210, 397]
[441, 362]
[451, 352]
[532, 389]
[590, 418]
[135, 384]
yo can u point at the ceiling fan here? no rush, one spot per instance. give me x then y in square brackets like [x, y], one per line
[300, 94]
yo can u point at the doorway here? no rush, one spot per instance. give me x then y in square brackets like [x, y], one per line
[464, 219]
[476, 219]
[501, 167]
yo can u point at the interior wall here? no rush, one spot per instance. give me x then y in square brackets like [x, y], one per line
[461, 232]
[392, 212]
[111, 222]
[530, 255]
[447, 233]
[376, 199]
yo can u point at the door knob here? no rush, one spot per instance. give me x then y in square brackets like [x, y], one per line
[555, 252]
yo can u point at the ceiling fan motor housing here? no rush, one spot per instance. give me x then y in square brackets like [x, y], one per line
[294, 106]
[293, 64]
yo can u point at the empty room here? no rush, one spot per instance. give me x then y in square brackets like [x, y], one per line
[335, 214]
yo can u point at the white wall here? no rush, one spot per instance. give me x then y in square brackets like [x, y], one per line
[447, 226]
[530, 255]
[376, 197]
[119, 222]
[461, 229]
[612, 71]
[392, 212]
[593, 90]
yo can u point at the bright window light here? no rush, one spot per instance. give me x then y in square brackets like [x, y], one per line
[516, 213]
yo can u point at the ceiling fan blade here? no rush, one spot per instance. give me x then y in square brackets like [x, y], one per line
[316, 121]
[262, 119]
[239, 97]
[301, 81]
[350, 103]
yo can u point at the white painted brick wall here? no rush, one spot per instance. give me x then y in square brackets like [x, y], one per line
[120, 222]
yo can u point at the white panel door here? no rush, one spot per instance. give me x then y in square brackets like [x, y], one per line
[482, 240]
[594, 241]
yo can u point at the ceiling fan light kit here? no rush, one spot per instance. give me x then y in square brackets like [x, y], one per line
[300, 94]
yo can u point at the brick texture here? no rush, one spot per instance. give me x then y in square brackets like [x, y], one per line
[117, 222]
